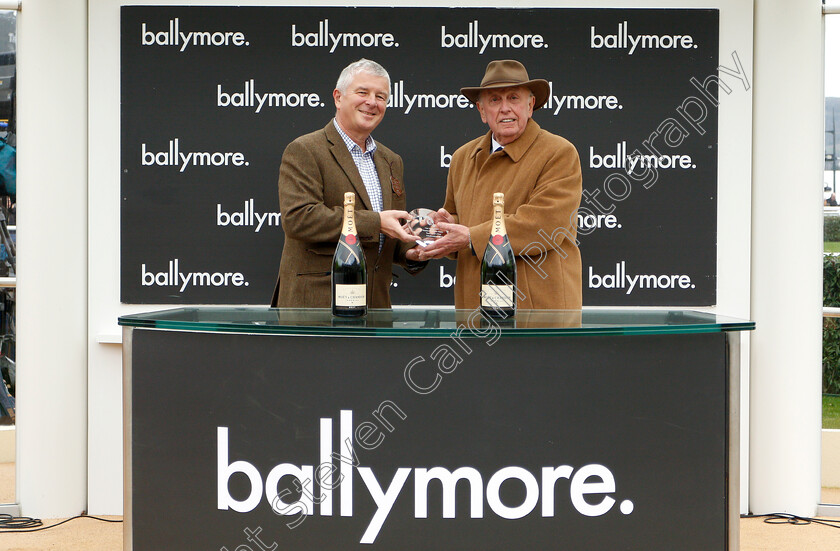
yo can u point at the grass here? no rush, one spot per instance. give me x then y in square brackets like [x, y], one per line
[831, 246]
[831, 411]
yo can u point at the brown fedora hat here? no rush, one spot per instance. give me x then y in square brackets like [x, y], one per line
[503, 73]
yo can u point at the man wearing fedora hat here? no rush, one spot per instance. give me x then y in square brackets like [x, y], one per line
[315, 172]
[539, 173]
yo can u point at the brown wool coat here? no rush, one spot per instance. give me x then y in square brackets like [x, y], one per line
[315, 172]
[539, 173]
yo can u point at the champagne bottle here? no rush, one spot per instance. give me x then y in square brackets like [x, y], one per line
[349, 274]
[498, 267]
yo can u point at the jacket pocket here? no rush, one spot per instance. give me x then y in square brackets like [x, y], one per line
[322, 249]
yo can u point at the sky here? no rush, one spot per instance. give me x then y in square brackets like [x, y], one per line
[832, 70]
[832, 56]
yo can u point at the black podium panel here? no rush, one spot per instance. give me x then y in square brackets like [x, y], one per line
[247, 442]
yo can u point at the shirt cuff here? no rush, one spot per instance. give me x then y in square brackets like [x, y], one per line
[414, 266]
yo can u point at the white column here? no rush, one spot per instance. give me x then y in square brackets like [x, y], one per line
[105, 446]
[785, 379]
[52, 261]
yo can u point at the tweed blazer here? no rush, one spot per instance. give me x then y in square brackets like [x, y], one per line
[315, 172]
[540, 175]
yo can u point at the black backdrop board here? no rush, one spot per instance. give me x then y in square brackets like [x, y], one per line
[200, 153]
[213, 415]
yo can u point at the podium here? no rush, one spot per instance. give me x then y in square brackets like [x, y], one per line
[418, 429]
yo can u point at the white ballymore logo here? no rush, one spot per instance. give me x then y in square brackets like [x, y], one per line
[589, 486]
[249, 97]
[173, 156]
[474, 39]
[174, 277]
[620, 279]
[247, 217]
[326, 39]
[589, 102]
[400, 100]
[174, 36]
[623, 40]
[630, 162]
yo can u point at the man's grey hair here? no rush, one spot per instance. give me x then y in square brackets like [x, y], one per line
[361, 66]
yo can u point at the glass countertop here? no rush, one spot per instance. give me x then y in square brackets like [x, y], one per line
[434, 322]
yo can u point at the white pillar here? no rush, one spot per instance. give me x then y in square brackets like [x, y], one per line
[52, 261]
[788, 142]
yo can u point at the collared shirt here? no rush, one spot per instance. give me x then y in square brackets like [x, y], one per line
[367, 170]
[494, 145]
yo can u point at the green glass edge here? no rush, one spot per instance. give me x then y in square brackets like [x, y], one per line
[431, 332]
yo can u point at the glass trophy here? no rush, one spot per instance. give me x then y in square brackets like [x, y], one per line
[423, 226]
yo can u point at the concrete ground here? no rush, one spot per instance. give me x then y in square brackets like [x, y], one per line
[87, 534]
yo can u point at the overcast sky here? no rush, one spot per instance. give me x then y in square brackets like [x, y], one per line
[832, 55]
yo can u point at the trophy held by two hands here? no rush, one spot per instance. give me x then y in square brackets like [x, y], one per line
[422, 224]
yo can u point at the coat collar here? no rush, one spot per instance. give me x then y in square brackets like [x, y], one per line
[515, 149]
[345, 161]
[384, 168]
